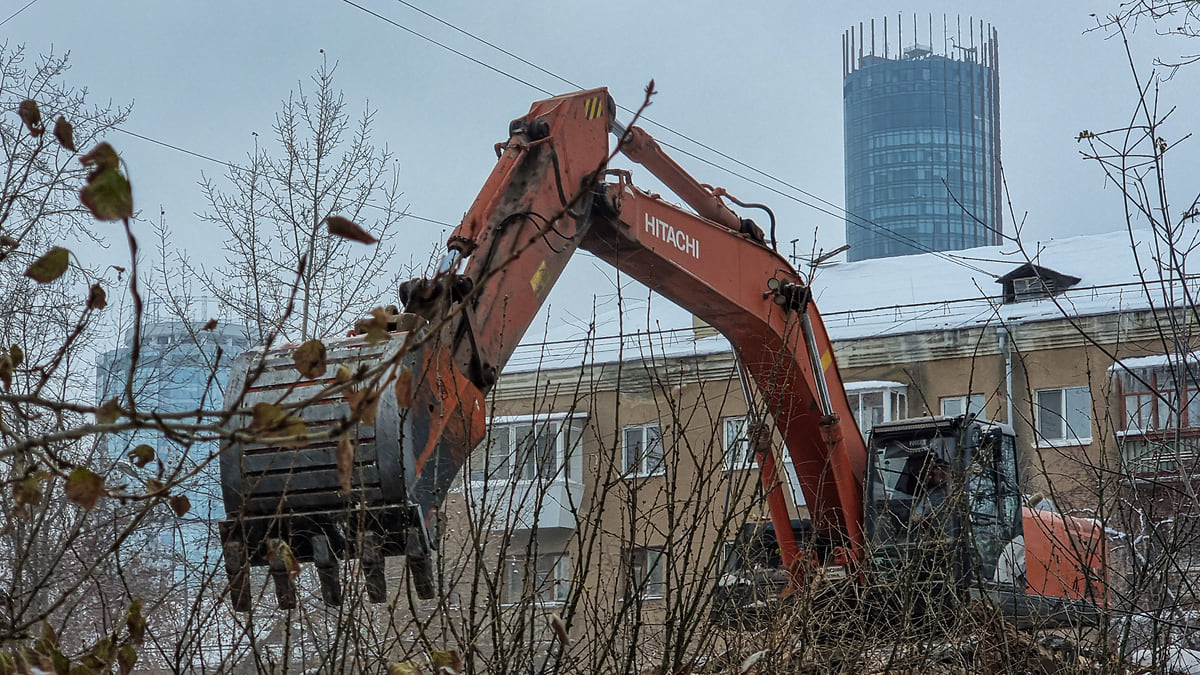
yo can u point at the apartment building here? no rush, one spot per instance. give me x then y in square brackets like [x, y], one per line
[616, 472]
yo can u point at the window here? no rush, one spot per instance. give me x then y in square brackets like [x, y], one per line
[876, 402]
[1031, 282]
[953, 406]
[542, 578]
[738, 452]
[642, 450]
[1031, 288]
[1139, 403]
[1152, 399]
[1160, 401]
[525, 448]
[649, 573]
[1064, 415]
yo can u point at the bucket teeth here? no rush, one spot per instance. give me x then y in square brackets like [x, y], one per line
[372, 565]
[327, 570]
[237, 566]
[281, 574]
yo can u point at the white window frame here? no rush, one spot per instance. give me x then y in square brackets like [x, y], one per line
[644, 461]
[976, 403]
[1069, 403]
[550, 583]
[486, 459]
[736, 452]
[894, 397]
[1029, 288]
[648, 576]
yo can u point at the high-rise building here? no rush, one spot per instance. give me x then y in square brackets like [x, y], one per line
[177, 371]
[922, 135]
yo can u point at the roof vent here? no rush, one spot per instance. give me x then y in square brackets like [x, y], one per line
[1033, 282]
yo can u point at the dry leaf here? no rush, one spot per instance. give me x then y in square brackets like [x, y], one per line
[141, 455]
[375, 327]
[447, 661]
[97, 298]
[101, 656]
[48, 634]
[277, 548]
[28, 490]
[31, 117]
[102, 157]
[266, 416]
[345, 462]
[310, 359]
[108, 195]
[210, 324]
[270, 424]
[84, 487]
[65, 133]
[6, 371]
[364, 404]
[126, 659]
[348, 229]
[180, 504]
[293, 433]
[109, 412]
[50, 266]
[135, 622]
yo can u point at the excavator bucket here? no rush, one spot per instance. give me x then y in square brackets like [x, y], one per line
[284, 497]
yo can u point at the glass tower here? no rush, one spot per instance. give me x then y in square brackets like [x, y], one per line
[178, 370]
[922, 135]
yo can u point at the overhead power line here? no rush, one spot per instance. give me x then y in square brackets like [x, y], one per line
[236, 167]
[14, 14]
[838, 212]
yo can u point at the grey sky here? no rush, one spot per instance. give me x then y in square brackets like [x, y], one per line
[760, 81]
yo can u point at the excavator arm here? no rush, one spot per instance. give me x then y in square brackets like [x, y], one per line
[750, 294]
[549, 194]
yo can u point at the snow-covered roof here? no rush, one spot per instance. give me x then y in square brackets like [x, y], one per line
[873, 385]
[622, 320]
[1152, 361]
[959, 289]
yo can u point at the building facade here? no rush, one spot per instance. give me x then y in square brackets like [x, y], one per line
[610, 491]
[178, 370]
[922, 136]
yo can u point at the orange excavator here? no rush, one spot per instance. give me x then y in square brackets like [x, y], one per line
[415, 403]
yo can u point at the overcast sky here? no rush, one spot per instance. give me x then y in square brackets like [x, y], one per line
[760, 81]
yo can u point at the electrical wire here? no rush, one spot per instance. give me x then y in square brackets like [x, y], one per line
[448, 48]
[831, 318]
[838, 212]
[853, 219]
[14, 14]
[236, 167]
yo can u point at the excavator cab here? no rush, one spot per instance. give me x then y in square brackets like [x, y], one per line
[943, 504]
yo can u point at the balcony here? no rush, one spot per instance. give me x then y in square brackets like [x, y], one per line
[1160, 455]
[540, 504]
